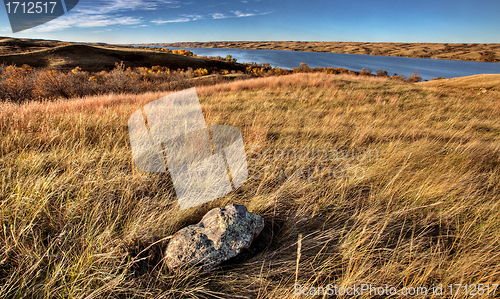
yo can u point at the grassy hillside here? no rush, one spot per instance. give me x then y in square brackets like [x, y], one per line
[408, 194]
[475, 52]
[481, 83]
[95, 59]
[10, 45]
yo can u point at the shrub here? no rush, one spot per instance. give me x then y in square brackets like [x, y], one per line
[200, 72]
[184, 52]
[20, 84]
[230, 58]
[398, 77]
[382, 73]
[414, 78]
[303, 67]
[365, 72]
[17, 83]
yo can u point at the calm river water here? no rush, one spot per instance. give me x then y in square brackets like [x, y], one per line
[427, 68]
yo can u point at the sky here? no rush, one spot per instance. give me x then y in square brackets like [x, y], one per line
[157, 21]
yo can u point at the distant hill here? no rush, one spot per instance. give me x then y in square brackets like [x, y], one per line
[482, 83]
[95, 58]
[9, 45]
[473, 52]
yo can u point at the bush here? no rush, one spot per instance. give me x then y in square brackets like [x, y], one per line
[230, 58]
[17, 83]
[303, 67]
[382, 73]
[398, 77]
[365, 72]
[414, 78]
[184, 52]
[20, 84]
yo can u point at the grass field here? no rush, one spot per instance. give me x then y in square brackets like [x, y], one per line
[480, 83]
[474, 52]
[407, 194]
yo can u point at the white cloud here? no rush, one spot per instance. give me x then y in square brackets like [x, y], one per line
[111, 13]
[195, 17]
[82, 20]
[117, 6]
[106, 14]
[216, 16]
[219, 16]
[239, 14]
[180, 19]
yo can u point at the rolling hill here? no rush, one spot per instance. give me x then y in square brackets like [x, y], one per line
[472, 52]
[483, 83]
[95, 58]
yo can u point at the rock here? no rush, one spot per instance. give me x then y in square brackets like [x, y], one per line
[220, 235]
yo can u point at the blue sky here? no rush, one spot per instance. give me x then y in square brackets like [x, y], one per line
[148, 21]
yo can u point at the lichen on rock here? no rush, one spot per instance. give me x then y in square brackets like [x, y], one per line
[220, 235]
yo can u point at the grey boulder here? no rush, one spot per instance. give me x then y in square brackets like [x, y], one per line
[220, 235]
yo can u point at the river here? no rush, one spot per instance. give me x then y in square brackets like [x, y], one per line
[427, 68]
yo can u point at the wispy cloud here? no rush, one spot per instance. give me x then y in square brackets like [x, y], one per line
[216, 16]
[180, 19]
[118, 6]
[82, 20]
[194, 17]
[118, 12]
[240, 14]
[219, 15]
[105, 14]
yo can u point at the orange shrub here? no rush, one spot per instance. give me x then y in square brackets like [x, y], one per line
[183, 52]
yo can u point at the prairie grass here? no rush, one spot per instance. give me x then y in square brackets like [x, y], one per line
[407, 196]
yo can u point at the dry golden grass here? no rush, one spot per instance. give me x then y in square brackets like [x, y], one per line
[78, 220]
[475, 52]
[483, 83]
